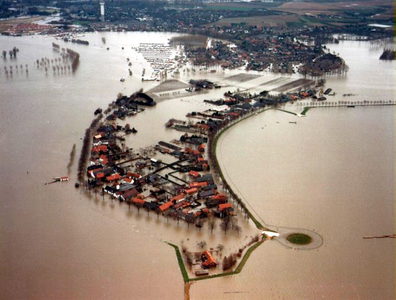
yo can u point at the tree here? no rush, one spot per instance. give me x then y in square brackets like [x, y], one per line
[212, 224]
[226, 263]
[201, 244]
[225, 224]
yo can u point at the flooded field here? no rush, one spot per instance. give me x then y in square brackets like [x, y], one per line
[57, 242]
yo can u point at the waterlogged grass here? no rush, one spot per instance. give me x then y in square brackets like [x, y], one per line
[299, 238]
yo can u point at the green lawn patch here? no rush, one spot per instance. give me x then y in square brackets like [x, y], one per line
[299, 238]
[305, 110]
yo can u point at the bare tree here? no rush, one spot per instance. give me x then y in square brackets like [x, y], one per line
[201, 244]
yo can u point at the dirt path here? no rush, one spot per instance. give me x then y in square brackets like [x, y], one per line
[187, 286]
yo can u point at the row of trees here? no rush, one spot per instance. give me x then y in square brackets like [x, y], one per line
[12, 53]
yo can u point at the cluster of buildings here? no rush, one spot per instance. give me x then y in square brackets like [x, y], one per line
[150, 183]
[278, 53]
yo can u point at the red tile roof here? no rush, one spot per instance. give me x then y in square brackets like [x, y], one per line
[191, 191]
[198, 184]
[177, 197]
[113, 177]
[166, 205]
[193, 173]
[224, 206]
[209, 260]
[137, 201]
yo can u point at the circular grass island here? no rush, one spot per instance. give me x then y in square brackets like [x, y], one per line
[299, 238]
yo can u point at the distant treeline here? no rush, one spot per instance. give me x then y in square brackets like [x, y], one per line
[189, 40]
[75, 57]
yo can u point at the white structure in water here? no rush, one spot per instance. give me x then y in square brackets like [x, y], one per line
[102, 12]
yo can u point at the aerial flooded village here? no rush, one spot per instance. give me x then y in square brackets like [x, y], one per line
[221, 140]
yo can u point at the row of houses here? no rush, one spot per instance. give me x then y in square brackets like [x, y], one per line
[192, 201]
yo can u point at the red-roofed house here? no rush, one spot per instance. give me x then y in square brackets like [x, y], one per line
[221, 198]
[138, 202]
[177, 197]
[113, 177]
[198, 184]
[165, 206]
[126, 196]
[193, 174]
[207, 260]
[224, 206]
[191, 191]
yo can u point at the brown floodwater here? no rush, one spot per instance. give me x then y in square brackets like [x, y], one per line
[332, 173]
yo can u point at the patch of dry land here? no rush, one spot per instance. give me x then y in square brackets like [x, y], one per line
[266, 21]
[10, 23]
[302, 8]
[305, 7]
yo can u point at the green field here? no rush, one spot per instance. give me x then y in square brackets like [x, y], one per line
[241, 6]
[299, 238]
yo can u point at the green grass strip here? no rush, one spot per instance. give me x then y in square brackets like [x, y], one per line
[181, 262]
[286, 111]
[305, 110]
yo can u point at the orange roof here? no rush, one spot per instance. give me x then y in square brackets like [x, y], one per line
[99, 148]
[191, 191]
[194, 173]
[177, 197]
[166, 205]
[198, 184]
[181, 204]
[99, 175]
[218, 197]
[113, 177]
[209, 259]
[138, 201]
[204, 126]
[134, 175]
[224, 206]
